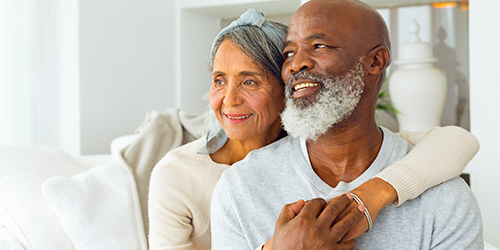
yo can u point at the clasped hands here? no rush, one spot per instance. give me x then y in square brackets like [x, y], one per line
[317, 224]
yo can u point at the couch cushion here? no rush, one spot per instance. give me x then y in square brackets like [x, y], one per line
[99, 208]
[22, 171]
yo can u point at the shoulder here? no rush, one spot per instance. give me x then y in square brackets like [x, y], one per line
[457, 217]
[445, 200]
[184, 166]
[183, 156]
[264, 159]
[451, 201]
[456, 188]
[187, 151]
[448, 194]
[459, 197]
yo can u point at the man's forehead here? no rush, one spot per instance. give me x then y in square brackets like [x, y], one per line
[314, 27]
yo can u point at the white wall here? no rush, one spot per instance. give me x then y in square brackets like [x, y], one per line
[484, 37]
[17, 61]
[64, 130]
[195, 42]
[127, 66]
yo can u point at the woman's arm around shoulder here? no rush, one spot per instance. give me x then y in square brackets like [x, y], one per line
[439, 155]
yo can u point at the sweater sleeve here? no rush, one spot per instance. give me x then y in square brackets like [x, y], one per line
[439, 154]
[169, 215]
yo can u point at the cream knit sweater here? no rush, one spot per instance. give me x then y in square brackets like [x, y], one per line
[182, 183]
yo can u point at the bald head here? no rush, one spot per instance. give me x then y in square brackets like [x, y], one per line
[357, 22]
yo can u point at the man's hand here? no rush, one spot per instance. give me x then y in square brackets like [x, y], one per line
[314, 224]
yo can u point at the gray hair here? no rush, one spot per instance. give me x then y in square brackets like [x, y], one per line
[254, 42]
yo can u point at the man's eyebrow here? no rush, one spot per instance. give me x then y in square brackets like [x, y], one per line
[309, 38]
[316, 36]
[286, 43]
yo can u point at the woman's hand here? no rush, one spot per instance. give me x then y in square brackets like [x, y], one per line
[375, 194]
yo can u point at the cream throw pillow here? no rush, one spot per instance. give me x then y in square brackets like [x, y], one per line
[99, 208]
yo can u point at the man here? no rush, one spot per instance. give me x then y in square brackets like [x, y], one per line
[336, 53]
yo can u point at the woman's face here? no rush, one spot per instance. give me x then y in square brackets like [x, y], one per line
[246, 99]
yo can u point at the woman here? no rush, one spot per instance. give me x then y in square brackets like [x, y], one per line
[247, 96]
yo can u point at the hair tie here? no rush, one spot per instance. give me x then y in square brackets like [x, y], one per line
[253, 17]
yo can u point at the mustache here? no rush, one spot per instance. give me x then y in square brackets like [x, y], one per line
[303, 74]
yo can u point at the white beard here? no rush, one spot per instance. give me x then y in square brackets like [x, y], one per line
[312, 116]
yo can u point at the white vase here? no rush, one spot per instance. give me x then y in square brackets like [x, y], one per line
[417, 88]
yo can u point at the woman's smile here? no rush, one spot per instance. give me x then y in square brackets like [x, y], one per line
[237, 118]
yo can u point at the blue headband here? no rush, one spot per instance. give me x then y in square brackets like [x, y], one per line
[253, 17]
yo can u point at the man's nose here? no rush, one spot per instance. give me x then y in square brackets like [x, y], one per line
[301, 61]
[232, 96]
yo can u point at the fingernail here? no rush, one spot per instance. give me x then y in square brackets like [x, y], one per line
[361, 208]
[349, 196]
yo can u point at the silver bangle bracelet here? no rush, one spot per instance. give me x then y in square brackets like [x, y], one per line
[367, 214]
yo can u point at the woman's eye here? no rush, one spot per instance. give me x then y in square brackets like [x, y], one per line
[249, 82]
[218, 82]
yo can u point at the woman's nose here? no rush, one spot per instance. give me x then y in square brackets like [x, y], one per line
[232, 97]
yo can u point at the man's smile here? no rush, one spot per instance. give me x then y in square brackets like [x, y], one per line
[304, 87]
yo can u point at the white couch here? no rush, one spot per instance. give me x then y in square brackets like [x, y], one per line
[51, 200]
[27, 218]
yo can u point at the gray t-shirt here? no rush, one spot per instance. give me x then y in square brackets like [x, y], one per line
[249, 197]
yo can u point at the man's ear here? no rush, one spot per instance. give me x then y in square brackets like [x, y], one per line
[378, 59]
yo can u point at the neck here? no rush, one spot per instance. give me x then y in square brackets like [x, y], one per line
[346, 150]
[236, 150]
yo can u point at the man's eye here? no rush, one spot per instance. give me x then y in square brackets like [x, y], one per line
[288, 54]
[319, 46]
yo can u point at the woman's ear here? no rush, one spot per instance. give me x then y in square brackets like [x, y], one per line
[378, 59]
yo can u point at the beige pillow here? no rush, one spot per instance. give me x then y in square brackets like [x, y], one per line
[157, 135]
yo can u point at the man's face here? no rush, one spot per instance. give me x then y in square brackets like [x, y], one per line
[336, 98]
[324, 75]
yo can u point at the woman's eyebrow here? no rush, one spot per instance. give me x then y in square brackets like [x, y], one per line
[250, 73]
[218, 73]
